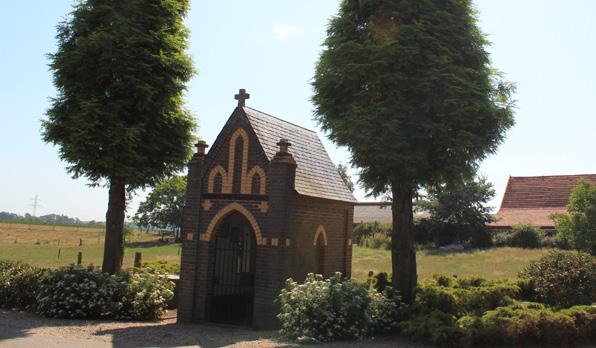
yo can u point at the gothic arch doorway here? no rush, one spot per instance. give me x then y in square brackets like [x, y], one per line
[233, 276]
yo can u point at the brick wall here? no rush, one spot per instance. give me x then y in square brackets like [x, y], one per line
[307, 214]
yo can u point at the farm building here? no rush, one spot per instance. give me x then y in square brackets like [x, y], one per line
[365, 212]
[532, 199]
[264, 205]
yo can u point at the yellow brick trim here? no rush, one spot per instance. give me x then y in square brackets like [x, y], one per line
[264, 207]
[207, 204]
[274, 241]
[208, 235]
[232, 153]
[256, 170]
[211, 181]
[189, 236]
[287, 242]
[349, 242]
[320, 230]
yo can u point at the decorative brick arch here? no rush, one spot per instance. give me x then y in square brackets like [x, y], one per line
[211, 180]
[239, 133]
[230, 208]
[320, 230]
[256, 170]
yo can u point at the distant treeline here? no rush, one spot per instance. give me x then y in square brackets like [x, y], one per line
[49, 219]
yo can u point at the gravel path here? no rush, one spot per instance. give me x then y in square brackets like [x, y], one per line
[19, 329]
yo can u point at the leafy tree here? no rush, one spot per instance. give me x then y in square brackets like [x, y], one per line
[163, 206]
[459, 209]
[118, 118]
[407, 86]
[343, 172]
[578, 226]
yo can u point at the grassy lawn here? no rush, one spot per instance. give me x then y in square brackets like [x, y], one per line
[39, 245]
[492, 264]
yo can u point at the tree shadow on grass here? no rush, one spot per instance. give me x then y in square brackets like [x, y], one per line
[440, 252]
[148, 244]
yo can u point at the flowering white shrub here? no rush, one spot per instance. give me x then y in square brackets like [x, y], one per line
[328, 309]
[384, 310]
[77, 292]
[144, 295]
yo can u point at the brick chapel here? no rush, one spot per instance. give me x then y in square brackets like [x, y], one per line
[264, 205]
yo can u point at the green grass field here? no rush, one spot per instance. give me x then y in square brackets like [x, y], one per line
[39, 244]
[492, 263]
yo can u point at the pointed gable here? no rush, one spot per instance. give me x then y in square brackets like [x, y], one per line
[316, 175]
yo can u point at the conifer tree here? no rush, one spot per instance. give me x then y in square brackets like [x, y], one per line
[118, 118]
[408, 87]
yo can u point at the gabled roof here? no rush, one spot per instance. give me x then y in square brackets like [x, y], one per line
[316, 175]
[379, 212]
[532, 199]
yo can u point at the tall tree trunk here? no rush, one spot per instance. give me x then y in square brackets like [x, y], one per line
[403, 252]
[113, 247]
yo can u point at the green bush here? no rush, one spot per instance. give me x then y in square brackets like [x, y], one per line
[436, 327]
[563, 278]
[143, 295]
[460, 296]
[525, 236]
[329, 309]
[368, 229]
[162, 267]
[531, 323]
[19, 284]
[77, 292]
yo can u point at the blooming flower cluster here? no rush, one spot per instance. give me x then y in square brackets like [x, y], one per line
[328, 309]
[78, 292]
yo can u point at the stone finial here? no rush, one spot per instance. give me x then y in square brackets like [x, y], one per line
[201, 146]
[283, 144]
[241, 97]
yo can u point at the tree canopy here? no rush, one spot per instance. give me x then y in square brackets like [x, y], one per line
[163, 206]
[408, 87]
[578, 226]
[118, 118]
[459, 211]
[343, 172]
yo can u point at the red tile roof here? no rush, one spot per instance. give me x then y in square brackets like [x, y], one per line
[532, 199]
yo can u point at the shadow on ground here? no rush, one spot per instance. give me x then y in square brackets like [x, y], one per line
[18, 329]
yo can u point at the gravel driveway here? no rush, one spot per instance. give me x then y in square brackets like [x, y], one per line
[29, 330]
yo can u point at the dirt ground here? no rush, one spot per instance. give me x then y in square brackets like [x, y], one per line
[28, 330]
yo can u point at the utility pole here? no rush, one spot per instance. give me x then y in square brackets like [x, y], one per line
[35, 205]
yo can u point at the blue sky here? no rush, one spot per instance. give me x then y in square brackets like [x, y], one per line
[270, 48]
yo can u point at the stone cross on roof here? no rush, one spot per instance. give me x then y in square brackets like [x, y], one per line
[241, 97]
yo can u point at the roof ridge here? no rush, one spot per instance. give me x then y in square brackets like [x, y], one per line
[280, 119]
[552, 176]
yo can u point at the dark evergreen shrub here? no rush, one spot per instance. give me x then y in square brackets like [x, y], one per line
[19, 284]
[525, 236]
[563, 278]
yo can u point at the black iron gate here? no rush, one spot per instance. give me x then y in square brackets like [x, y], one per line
[233, 272]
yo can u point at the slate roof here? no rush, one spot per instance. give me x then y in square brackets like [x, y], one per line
[316, 175]
[532, 199]
[378, 211]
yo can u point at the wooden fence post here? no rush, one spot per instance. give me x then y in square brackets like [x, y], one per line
[59, 249]
[80, 258]
[137, 262]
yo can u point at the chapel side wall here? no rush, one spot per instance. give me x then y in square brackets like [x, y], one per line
[307, 214]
